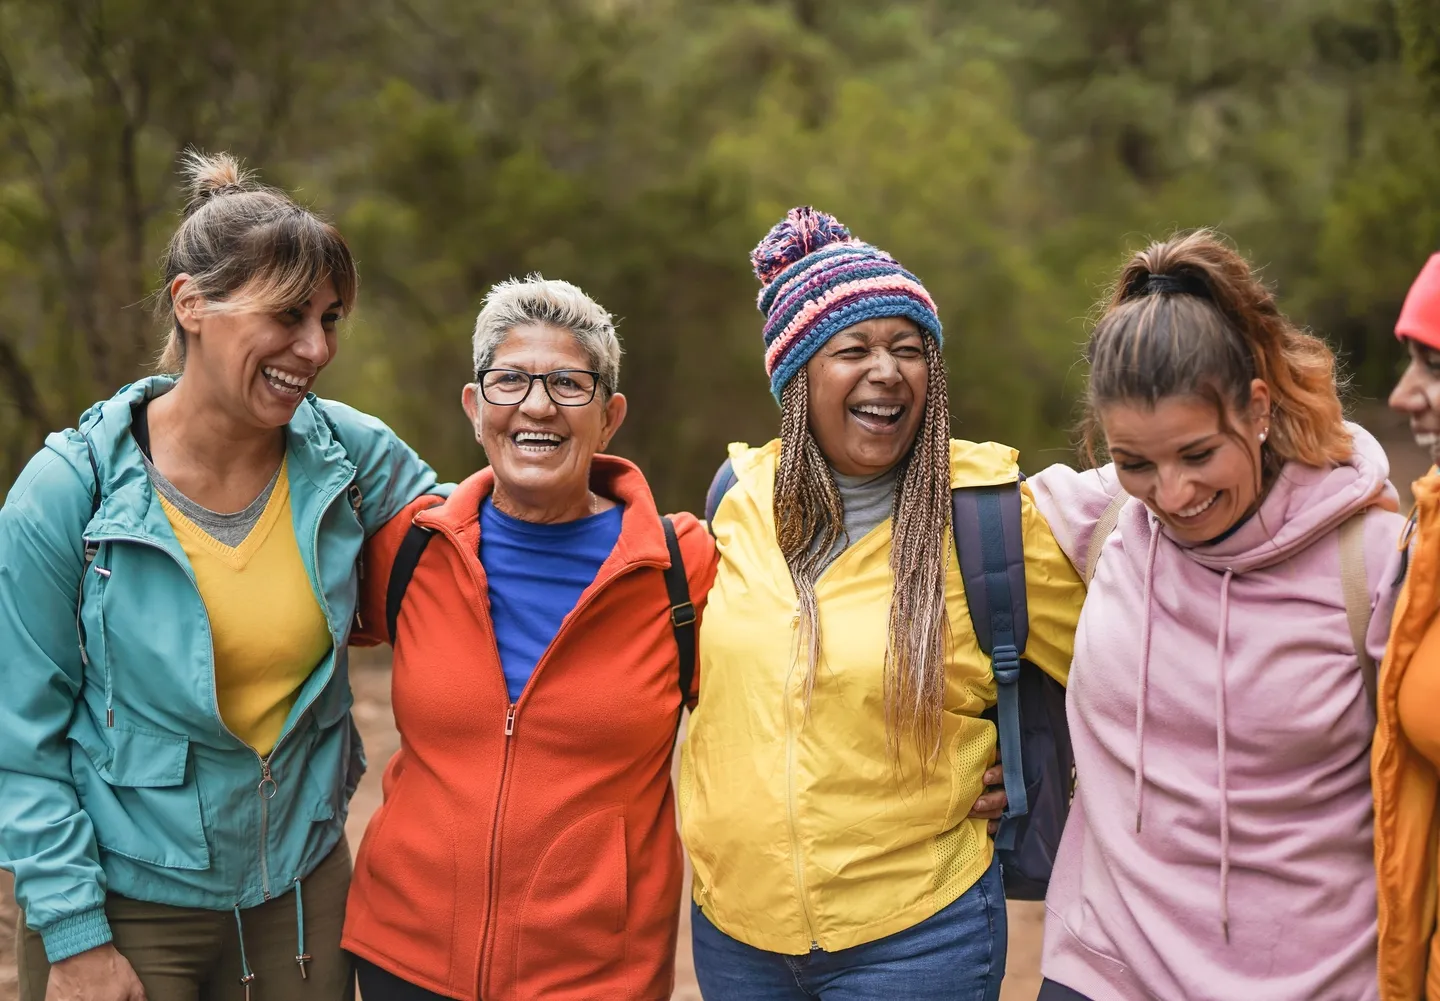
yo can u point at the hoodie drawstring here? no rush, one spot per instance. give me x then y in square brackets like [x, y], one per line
[247, 975]
[1144, 681]
[301, 956]
[1220, 741]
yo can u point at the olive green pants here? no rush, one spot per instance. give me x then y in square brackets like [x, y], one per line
[187, 954]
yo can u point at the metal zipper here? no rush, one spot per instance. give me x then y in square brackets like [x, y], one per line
[510, 714]
[267, 789]
[356, 499]
[492, 867]
[790, 813]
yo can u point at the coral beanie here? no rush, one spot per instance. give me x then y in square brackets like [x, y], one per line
[1420, 316]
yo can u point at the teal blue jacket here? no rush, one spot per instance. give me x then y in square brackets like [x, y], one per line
[116, 772]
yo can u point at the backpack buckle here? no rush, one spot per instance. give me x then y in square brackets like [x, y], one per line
[1005, 663]
[683, 615]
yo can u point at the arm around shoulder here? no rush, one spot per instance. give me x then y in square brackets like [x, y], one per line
[1386, 559]
[388, 471]
[1053, 593]
[372, 627]
[1073, 502]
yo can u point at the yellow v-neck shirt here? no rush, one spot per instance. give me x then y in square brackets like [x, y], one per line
[268, 630]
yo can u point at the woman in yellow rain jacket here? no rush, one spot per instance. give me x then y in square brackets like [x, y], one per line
[839, 745]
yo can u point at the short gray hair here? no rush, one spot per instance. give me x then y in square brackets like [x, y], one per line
[537, 299]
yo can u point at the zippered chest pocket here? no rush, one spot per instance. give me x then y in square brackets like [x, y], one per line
[91, 638]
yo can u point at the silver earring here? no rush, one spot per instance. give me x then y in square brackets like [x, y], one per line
[1263, 435]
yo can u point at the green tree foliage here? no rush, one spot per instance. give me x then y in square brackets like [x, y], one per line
[1420, 25]
[1010, 154]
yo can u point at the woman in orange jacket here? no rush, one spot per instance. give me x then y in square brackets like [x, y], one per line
[1406, 752]
[527, 846]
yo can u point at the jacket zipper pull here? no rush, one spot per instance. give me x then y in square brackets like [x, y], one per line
[510, 721]
[268, 786]
[355, 500]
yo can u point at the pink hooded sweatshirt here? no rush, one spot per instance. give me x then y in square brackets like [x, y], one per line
[1220, 847]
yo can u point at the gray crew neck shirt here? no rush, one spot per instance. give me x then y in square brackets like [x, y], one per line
[226, 529]
[867, 501]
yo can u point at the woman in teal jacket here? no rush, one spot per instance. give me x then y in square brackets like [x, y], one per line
[178, 577]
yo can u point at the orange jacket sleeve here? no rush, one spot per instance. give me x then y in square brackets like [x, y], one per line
[370, 627]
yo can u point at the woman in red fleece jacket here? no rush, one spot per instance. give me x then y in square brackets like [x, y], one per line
[527, 846]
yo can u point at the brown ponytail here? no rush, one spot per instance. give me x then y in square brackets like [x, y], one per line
[1188, 317]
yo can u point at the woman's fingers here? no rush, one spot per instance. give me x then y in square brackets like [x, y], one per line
[989, 806]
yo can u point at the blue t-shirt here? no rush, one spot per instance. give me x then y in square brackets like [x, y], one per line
[536, 574]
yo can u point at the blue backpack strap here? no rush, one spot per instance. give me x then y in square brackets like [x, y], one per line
[988, 541]
[719, 486]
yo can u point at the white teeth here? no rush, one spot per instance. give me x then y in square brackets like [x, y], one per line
[1191, 512]
[537, 441]
[285, 378]
[878, 410]
[1427, 439]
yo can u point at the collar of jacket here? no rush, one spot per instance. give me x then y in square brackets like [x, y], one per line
[1421, 593]
[128, 506]
[642, 539]
[972, 463]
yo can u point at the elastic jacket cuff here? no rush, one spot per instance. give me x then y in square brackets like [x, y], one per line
[75, 934]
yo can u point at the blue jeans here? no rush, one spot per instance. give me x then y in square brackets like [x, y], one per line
[957, 954]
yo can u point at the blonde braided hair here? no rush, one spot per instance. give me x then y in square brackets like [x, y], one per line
[809, 518]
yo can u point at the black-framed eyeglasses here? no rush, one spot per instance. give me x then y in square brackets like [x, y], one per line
[566, 387]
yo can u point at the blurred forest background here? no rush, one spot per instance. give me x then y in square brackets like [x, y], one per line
[1009, 153]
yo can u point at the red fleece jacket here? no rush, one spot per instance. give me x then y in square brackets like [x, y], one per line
[528, 851]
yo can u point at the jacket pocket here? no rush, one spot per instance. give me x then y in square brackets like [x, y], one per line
[573, 919]
[141, 795]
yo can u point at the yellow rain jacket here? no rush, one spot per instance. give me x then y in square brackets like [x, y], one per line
[801, 830]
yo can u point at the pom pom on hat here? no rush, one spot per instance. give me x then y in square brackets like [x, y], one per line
[803, 231]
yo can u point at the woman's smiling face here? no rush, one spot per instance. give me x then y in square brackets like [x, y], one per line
[1199, 475]
[1417, 395]
[867, 395]
[541, 452]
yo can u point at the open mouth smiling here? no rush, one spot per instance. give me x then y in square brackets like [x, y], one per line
[287, 383]
[1195, 511]
[536, 442]
[878, 416]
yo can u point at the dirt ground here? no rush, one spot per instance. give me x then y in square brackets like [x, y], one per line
[371, 678]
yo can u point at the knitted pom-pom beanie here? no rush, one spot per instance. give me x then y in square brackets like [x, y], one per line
[816, 280]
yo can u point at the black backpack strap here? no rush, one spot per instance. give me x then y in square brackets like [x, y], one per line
[719, 487]
[682, 610]
[407, 557]
[988, 541]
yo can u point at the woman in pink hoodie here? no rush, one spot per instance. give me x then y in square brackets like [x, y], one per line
[1219, 847]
